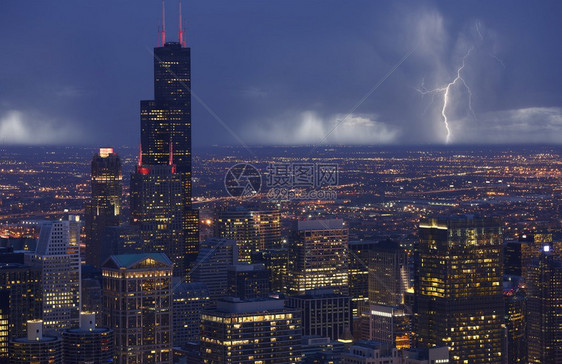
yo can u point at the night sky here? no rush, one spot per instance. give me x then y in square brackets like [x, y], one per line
[287, 72]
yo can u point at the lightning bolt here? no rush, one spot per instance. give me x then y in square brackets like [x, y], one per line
[445, 90]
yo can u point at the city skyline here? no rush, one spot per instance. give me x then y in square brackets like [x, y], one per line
[292, 72]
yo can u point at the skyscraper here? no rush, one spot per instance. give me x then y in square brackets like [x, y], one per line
[156, 208]
[166, 128]
[189, 301]
[58, 256]
[254, 230]
[247, 281]
[318, 257]
[359, 252]
[212, 264]
[544, 308]
[104, 207]
[20, 301]
[137, 300]
[458, 287]
[388, 273]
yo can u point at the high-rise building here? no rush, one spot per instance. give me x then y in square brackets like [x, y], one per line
[20, 301]
[515, 322]
[251, 331]
[390, 325]
[87, 343]
[359, 252]
[189, 301]
[212, 264]
[247, 281]
[35, 347]
[157, 209]
[276, 262]
[324, 313]
[253, 230]
[458, 287]
[388, 273]
[137, 300]
[58, 255]
[166, 128]
[318, 257]
[104, 207]
[544, 308]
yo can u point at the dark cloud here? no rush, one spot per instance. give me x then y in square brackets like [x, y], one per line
[285, 71]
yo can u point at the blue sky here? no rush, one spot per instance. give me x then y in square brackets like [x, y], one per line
[288, 72]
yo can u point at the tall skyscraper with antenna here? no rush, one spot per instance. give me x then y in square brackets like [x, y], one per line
[166, 134]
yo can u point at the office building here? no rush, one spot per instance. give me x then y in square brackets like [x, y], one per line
[212, 264]
[20, 301]
[359, 272]
[319, 257]
[248, 281]
[251, 331]
[104, 207]
[88, 343]
[388, 274]
[137, 290]
[458, 287]
[515, 350]
[166, 130]
[122, 239]
[156, 208]
[324, 313]
[253, 230]
[317, 349]
[276, 262]
[58, 256]
[544, 308]
[390, 325]
[36, 347]
[190, 299]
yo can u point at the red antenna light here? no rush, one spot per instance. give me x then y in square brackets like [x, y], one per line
[181, 31]
[163, 29]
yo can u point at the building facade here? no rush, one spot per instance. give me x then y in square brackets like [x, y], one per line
[247, 281]
[36, 347]
[190, 299]
[319, 257]
[324, 313]
[137, 300]
[253, 230]
[58, 256]
[251, 331]
[458, 288]
[88, 343]
[212, 264]
[157, 209]
[544, 308]
[104, 207]
[20, 301]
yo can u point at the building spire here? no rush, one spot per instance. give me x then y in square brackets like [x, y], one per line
[163, 29]
[181, 31]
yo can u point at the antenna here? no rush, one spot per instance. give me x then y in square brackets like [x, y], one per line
[163, 29]
[181, 31]
[140, 154]
[171, 157]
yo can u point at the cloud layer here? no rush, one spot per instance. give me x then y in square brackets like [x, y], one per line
[19, 128]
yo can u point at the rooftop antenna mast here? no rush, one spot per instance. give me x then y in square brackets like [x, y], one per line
[163, 29]
[140, 155]
[171, 155]
[181, 31]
